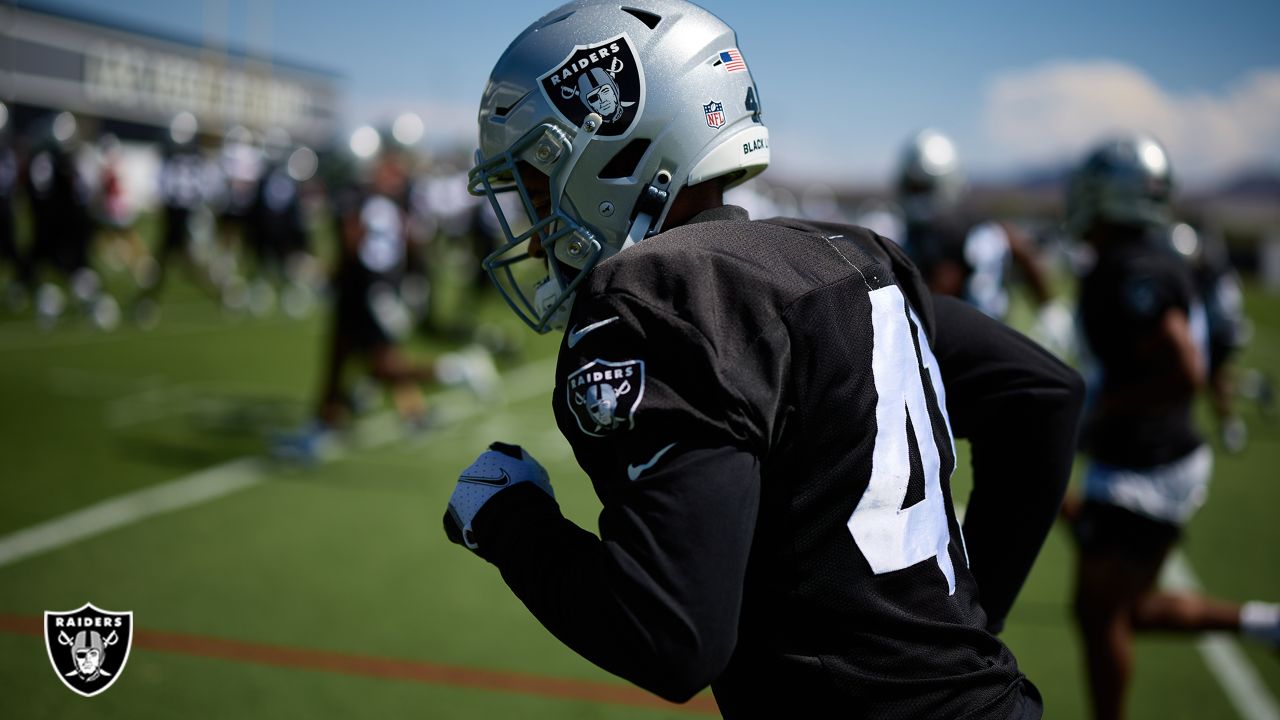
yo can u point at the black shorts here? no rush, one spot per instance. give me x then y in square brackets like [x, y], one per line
[1221, 351]
[357, 324]
[1103, 529]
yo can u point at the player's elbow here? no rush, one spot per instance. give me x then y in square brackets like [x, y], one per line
[685, 669]
[682, 678]
[1073, 389]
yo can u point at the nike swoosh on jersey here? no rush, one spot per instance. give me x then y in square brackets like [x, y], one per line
[633, 471]
[576, 335]
[501, 481]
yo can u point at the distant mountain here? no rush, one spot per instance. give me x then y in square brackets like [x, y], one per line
[1251, 184]
[1256, 183]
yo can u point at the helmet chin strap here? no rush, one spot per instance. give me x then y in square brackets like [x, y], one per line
[548, 292]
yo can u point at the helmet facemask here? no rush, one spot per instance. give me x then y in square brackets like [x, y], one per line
[550, 235]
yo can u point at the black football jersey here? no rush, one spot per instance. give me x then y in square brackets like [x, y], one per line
[798, 357]
[978, 250]
[765, 410]
[1122, 300]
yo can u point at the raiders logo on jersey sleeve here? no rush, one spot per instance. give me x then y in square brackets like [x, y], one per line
[604, 78]
[603, 395]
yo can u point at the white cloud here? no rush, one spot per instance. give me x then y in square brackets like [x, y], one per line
[1055, 111]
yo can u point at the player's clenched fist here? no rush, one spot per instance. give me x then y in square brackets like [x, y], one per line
[497, 468]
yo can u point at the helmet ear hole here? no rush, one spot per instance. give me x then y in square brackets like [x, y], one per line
[625, 163]
[649, 19]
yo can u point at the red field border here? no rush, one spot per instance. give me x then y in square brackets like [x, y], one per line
[386, 668]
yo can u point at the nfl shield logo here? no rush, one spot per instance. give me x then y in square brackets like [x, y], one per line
[88, 647]
[715, 114]
[604, 395]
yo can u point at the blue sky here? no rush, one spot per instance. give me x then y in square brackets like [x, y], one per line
[844, 83]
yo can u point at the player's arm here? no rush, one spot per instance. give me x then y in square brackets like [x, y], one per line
[1019, 407]
[1024, 257]
[1054, 325]
[655, 598]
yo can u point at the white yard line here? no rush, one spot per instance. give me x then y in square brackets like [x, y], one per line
[76, 337]
[235, 475]
[187, 491]
[1238, 677]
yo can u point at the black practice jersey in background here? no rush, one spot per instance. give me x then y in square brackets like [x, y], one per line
[1122, 301]
[759, 410]
[977, 250]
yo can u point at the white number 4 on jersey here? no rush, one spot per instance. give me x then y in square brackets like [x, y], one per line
[892, 537]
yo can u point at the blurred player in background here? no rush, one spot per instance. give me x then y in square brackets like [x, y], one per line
[1218, 284]
[1145, 328]
[370, 318]
[759, 405]
[61, 224]
[183, 186]
[123, 248]
[960, 255]
[239, 168]
[276, 229]
[9, 253]
[448, 214]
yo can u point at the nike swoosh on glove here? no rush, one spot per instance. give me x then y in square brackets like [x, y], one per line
[498, 468]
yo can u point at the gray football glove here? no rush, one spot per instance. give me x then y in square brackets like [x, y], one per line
[497, 468]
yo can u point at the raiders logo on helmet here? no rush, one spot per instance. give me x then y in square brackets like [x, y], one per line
[88, 646]
[603, 395]
[604, 78]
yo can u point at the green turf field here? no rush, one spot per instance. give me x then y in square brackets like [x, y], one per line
[331, 592]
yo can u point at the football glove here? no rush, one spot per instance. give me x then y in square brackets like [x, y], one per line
[497, 469]
[1055, 329]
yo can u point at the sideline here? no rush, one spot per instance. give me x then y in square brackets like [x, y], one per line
[417, 671]
[239, 474]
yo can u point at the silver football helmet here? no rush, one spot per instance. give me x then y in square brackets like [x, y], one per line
[620, 107]
[930, 181]
[1125, 181]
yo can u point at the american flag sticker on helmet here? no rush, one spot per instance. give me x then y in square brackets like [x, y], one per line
[732, 60]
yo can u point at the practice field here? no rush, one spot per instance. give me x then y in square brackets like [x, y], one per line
[134, 478]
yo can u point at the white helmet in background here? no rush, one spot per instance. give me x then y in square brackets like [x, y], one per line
[621, 107]
[1123, 181]
[930, 182]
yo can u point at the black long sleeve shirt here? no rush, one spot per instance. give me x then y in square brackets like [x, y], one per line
[761, 409]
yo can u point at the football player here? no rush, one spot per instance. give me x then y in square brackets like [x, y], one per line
[9, 254]
[1219, 285]
[183, 187]
[370, 319]
[963, 256]
[765, 409]
[61, 225]
[1145, 329]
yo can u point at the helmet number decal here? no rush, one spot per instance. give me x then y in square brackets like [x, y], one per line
[604, 78]
[603, 395]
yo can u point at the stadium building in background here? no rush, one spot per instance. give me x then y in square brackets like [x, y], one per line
[135, 81]
[131, 82]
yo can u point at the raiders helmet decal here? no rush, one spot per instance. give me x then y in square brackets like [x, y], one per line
[604, 78]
